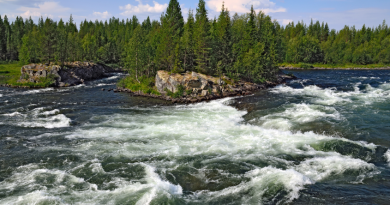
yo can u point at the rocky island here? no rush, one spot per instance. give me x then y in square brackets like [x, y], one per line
[192, 87]
[69, 74]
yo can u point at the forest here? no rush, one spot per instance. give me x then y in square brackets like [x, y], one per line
[248, 46]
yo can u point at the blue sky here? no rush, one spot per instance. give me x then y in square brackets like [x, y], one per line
[336, 12]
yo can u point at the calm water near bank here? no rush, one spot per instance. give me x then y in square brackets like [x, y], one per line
[322, 139]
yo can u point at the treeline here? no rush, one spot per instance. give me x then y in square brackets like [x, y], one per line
[316, 44]
[247, 46]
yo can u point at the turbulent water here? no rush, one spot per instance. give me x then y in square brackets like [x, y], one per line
[322, 139]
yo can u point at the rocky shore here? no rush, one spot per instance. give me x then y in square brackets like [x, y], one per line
[70, 74]
[322, 68]
[195, 87]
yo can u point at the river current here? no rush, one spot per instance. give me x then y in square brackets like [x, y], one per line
[321, 139]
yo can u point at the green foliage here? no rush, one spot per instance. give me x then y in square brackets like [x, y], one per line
[9, 72]
[247, 46]
[305, 66]
[178, 94]
[145, 84]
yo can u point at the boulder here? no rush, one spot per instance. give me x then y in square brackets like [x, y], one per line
[71, 73]
[205, 92]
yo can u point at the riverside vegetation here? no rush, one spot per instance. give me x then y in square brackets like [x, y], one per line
[246, 47]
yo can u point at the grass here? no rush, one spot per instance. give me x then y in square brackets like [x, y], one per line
[9, 72]
[332, 66]
[146, 85]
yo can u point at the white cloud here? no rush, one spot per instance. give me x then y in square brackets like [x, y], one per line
[48, 9]
[243, 6]
[286, 21]
[142, 8]
[101, 15]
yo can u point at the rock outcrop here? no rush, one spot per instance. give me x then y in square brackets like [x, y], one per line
[198, 87]
[71, 73]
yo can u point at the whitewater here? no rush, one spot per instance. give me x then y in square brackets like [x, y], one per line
[322, 138]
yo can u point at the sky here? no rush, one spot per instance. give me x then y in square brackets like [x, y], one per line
[337, 13]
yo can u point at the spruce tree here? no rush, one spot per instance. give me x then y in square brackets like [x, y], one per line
[48, 41]
[135, 53]
[201, 38]
[224, 41]
[3, 40]
[171, 32]
[187, 43]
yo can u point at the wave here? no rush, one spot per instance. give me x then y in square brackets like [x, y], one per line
[331, 96]
[38, 117]
[217, 132]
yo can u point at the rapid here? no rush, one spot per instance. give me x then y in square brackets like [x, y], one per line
[321, 139]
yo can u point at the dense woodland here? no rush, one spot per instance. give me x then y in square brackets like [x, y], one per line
[249, 46]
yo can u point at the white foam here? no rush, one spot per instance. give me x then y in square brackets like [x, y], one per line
[330, 96]
[38, 91]
[14, 114]
[298, 114]
[264, 181]
[320, 168]
[55, 121]
[387, 156]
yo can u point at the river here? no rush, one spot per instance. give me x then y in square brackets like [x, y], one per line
[321, 139]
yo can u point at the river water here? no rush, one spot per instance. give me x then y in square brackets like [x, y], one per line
[322, 139]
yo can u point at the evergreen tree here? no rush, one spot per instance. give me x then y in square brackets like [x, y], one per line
[201, 38]
[224, 42]
[135, 54]
[3, 40]
[62, 42]
[48, 41]
[188, 43]
[171, 32]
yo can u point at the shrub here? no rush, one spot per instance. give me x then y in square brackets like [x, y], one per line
[146, 85]
[305, 65]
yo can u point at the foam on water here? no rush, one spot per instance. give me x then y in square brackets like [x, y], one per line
[331, 96]
[387, 156]
[298, 114]
[272, 162]
[214, 128]
[38, 117]
[37, 91]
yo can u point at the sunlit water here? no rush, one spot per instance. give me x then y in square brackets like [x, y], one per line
[322, 139]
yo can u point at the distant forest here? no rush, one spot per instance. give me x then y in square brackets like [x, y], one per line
[249, 45]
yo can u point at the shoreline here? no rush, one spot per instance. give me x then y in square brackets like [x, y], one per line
[322, 68]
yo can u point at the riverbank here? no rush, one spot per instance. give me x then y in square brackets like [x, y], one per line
[300, 66]
[192, 87]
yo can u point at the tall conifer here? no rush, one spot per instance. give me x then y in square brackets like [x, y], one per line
[201, 37]
[171, 32]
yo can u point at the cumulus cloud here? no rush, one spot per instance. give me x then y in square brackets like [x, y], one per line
[48, 9]
[243, 6]
[142, 8]
[101, 15]
[286, 21]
